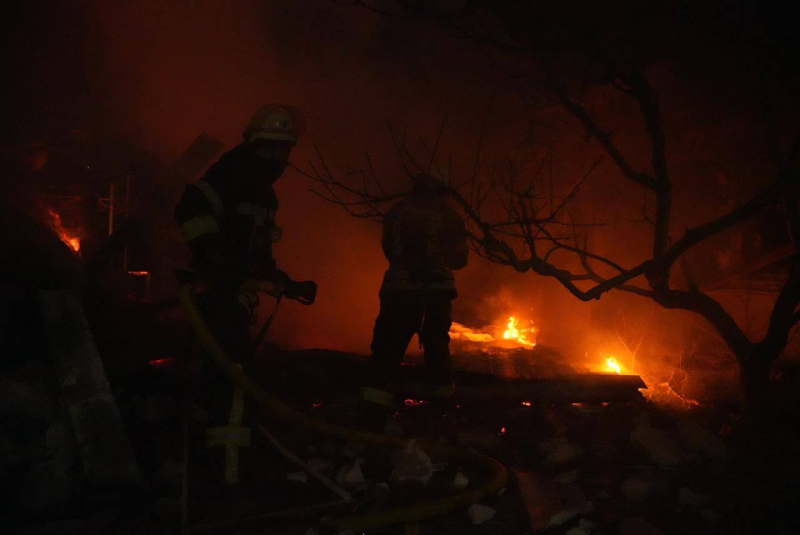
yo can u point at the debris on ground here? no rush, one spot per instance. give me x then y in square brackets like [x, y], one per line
[413, 466]
[478, 514]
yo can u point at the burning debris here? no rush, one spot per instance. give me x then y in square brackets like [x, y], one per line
[70, 238]
[509, 335]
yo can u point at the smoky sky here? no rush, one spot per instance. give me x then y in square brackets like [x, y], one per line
[149, 76]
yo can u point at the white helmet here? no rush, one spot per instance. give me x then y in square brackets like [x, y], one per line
[275, 122]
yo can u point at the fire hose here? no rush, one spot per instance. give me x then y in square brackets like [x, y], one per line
[357, 522]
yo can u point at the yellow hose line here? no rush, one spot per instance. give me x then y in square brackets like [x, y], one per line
[361, 522]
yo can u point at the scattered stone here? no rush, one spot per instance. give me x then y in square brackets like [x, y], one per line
[645, 486]
[311, 531]
[563, 454]
[460, 481]
[660, 447]
[350, 475]
[566, 515]
[478, 514]
[587, 525]
[711, 515]
[699, 439]
[299, 477]
[61, 444]
[688, 496]
[168, 474]
[439, 467]
[567, 477]
[414, 465]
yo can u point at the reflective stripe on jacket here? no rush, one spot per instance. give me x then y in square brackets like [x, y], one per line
[230, 214]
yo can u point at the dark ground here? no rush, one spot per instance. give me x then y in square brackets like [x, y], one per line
[606, 468]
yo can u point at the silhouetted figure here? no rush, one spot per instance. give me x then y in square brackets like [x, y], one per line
[228, 220]
[424, 238]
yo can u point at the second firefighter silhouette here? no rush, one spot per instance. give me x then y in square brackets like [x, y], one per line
[424, 239]
[228, 221]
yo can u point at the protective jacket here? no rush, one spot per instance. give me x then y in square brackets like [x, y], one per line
[228, 217]
[423, 239]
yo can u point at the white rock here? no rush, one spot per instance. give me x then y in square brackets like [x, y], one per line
[566, 515]
[478, 514]
[350, 475]
[413, 465]
[460, 481]
[299, 477]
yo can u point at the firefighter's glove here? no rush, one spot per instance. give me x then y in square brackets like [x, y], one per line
[304, 292]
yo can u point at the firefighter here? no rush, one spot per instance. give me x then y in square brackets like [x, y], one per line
[228, 220]
[424, 238]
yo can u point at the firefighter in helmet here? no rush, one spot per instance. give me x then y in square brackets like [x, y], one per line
[424, 239]
[228, 220]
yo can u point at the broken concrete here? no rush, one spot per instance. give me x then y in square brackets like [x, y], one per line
[106, 451]
[413, 466]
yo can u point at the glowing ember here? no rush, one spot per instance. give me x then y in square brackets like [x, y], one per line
[613, 365]
[72, 241]
[159, 364]
[526, 403]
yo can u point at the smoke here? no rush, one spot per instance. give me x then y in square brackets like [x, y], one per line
[158, 73]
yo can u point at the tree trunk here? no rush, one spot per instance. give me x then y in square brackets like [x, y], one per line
[754, 374]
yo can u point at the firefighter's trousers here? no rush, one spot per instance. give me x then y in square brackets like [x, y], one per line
[218, 444]
[403, 314]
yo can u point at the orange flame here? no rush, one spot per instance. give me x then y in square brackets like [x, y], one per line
[613, 365]
[510, 332]
[514, 333]
[71, 241]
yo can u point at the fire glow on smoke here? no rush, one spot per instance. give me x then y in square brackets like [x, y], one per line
[70, 240]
